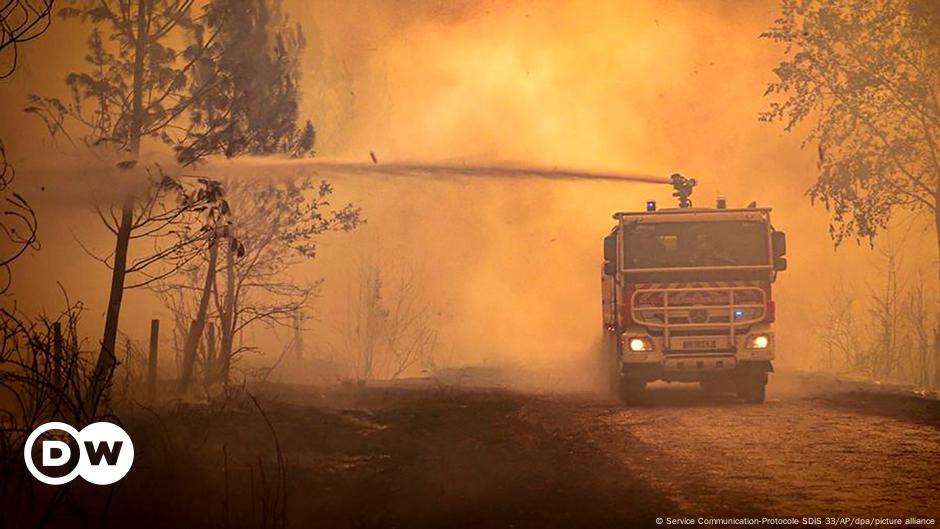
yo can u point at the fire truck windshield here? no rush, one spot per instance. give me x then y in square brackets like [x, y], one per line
[694, 244]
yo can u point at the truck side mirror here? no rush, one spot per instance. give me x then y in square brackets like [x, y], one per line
[610, 268]
[779, 242]
[780, 264]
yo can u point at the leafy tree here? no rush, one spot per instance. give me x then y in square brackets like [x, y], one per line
[256, 59]
[866, 76]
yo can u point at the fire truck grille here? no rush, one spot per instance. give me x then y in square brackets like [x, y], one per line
[695, 332]
[698, 310]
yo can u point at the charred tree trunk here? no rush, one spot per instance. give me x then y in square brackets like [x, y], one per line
[199, 322]
[298, 336]
[104, 368]
[211, 363]
[936, 331]
[107, 360]
[152, 360]
[227, 317]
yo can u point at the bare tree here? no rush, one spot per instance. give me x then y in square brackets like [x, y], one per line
[20, 21]
[887, 344]
[840, 332]
[388, 328]
[365, 314]
[886, 335]
[916, 313]
[275, 225]
[194, 336]
[18, 226]
[410, 336]
[867, 74]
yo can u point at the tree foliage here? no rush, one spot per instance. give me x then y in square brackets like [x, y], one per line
[231, 88]
[866, 75]
[246, 54]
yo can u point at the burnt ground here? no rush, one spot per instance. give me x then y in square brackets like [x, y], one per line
[434, 456]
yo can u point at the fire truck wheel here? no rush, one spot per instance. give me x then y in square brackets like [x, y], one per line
[712, 387]
[752, 387]
[614, 376]
[631, 390]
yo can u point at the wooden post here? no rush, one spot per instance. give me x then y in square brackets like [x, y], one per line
[128, 359]
[298, 336]
[210, 354]
[152, 361]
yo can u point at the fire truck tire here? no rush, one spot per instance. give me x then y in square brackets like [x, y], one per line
[753, 387]
[712, 387]
[613, 375]
[630, 391]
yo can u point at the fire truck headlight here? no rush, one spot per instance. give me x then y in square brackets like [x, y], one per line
[758, 341]
[639, 344]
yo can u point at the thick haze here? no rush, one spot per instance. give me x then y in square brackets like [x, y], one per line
[511, 265]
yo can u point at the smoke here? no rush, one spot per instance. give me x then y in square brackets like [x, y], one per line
[658, 86]
[509, 254]
[663, 87]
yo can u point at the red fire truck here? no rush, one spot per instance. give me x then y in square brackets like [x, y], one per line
[687, 296]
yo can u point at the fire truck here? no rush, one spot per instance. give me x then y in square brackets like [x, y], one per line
[687, 296]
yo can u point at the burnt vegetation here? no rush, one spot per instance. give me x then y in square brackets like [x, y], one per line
[216, 79]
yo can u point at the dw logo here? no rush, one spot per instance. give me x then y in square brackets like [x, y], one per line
[101, 453]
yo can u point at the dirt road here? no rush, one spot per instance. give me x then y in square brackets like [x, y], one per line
[817, 454]
[463, 457]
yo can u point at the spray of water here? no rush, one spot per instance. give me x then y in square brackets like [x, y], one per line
[434, 170]
[84, 181]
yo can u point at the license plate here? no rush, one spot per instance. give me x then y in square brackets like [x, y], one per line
[700, 344]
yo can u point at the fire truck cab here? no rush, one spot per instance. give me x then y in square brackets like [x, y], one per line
[687, 298]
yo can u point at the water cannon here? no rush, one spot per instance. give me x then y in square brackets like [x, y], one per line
[683, 187]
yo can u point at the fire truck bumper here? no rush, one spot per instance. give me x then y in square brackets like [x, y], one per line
[695, 369]
[687, 361]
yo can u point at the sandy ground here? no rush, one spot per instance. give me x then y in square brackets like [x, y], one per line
[445, 456]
